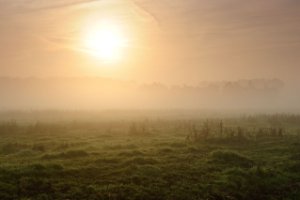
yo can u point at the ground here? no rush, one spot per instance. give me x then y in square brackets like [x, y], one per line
[234, 158]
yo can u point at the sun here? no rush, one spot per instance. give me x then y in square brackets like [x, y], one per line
[106, 41]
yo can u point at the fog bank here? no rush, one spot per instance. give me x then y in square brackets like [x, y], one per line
[104, 93]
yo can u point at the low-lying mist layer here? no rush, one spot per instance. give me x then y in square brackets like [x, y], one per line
[100, 93]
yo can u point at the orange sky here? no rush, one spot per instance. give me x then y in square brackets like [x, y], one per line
[171, 41]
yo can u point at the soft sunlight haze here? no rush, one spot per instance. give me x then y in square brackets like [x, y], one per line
[169, 42]
[149, 99]
[105, 40]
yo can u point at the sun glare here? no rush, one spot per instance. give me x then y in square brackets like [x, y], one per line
[105, 41]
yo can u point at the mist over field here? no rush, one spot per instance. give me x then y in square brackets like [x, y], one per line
[142, 54]
[104, 93]
[149, 100]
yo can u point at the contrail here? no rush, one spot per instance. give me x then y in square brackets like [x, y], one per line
[62, 5]
[140, 7]
[135, 4]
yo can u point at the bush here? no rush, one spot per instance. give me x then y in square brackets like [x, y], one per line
[29, 187]
[12, 148]
[141, 161]
[230, 158]
[7, 191]
[67, 155]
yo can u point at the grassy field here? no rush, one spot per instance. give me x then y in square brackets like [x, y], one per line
[232, 158]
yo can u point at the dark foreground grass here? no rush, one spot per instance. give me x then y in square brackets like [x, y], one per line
[155, 161]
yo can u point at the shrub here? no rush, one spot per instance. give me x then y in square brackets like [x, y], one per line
[7, 191]
[230, 158]
[12, 148]
[67, 155]
[140, 161]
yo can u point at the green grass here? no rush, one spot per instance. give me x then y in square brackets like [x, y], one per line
[153, 160]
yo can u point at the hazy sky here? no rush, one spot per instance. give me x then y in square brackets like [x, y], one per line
[172, 41]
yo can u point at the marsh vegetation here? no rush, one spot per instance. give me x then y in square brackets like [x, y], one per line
[249, 157]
